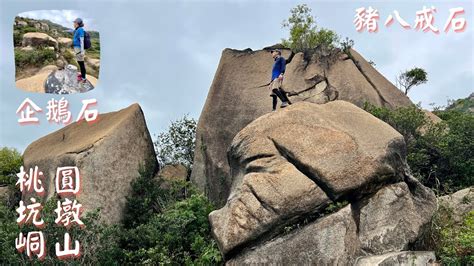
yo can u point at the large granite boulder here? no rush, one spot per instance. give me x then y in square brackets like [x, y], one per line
[108, 153]
[290, 166]
[238, 95]
[336, 239]
[36, 39]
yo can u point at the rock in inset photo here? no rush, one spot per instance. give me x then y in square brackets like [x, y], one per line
[56, 51]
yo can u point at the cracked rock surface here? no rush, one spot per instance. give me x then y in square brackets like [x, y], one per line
[289, 166]
[64, 81]
[108, 154]
[239, 95]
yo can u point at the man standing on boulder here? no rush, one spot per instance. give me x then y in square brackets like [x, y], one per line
[278, 70]
[79, 48]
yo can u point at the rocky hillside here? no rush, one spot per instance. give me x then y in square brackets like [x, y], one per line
[321, 182]
[463, 105]
[43, 47]
[237, 97]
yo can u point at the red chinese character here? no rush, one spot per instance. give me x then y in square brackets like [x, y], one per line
[30, 214]
[68, 181]
[32, 181]
[458, 24]
[34, 244]
[27, 109]
[67, 252]
[88, 115]
[68, 212]
[58, 111]
[424, 20]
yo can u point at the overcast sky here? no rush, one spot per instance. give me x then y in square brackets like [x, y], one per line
[164, 54]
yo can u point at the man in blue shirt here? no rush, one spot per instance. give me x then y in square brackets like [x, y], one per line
[278, 70]
[78, 45]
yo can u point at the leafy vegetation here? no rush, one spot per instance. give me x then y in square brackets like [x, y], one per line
[34, 58]
[10, 163]
[440, 154]
[453, 242]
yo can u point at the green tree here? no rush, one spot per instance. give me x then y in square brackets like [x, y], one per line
[10, 163]
[304, 33]
[410, 78]
[177, 144]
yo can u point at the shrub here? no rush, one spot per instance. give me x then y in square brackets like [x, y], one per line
[453, 242]
[440, 155]
[146, 198]
[36, 57]
[179, 235]
[304, 33]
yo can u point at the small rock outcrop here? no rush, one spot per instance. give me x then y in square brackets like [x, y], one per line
[289, 167]
[108, 153]
[458, 204]
[239, 94]
[176, 172]
[404, 258]
[36, 39]
[65, 42]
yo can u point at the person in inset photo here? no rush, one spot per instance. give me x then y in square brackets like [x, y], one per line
[78, 44]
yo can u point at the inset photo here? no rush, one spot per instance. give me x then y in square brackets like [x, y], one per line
[56, 51]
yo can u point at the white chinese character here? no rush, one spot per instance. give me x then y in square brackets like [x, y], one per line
[32, 181]
[58, 111]
[366, 18]
[424, 20]
[68, 181]
[400, 20]
[67, 252]
[68, 212]
[88, 115]
[27, 113]
[458, 24]
[34, 244]
[30, 214]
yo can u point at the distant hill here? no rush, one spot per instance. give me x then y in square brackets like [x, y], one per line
[37, 25]
[465, 105]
